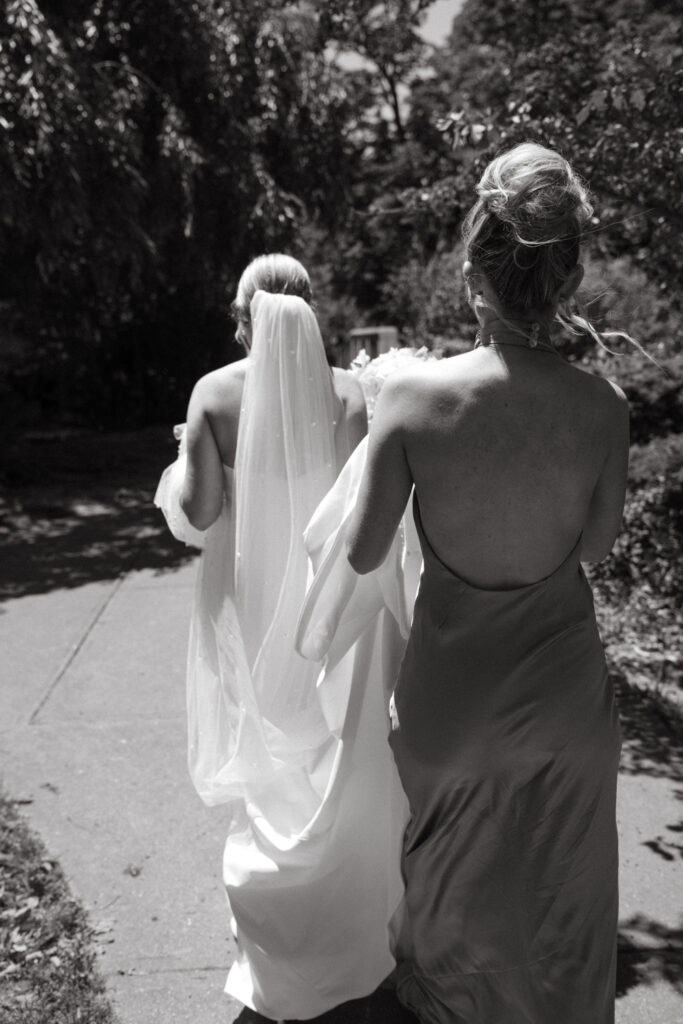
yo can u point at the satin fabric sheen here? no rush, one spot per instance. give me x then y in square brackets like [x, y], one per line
[312, 856]
[507, 744]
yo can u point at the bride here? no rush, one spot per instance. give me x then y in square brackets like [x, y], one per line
[295, 748]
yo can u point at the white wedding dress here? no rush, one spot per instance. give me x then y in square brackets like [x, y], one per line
[296, 743]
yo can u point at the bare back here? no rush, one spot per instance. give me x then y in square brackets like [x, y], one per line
[514, 455]
[506, 450]
[222, 396]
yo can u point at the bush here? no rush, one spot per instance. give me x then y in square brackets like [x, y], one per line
[638, 587]
[427, 301]
[617, 296]
[654, 396]
[647, 549]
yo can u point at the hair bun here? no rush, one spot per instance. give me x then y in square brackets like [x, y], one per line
[537, 194]
[524, 232]
[494, 198]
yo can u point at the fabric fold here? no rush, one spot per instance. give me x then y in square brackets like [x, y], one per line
[167, 497]
[296, 749]
[339, 602]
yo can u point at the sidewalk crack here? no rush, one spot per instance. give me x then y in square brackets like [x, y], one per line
[73, 653]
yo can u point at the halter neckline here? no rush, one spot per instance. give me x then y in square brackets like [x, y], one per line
[530, 341]
[514, 344]
[569, 557]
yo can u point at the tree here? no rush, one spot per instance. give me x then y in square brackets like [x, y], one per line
[385, 35]
[151, 148]
[603, 84]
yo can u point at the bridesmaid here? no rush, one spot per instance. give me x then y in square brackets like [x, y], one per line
[506, 735]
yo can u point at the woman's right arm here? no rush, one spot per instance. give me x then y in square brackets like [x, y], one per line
[607, 501]
[201, 498]
[386, 483]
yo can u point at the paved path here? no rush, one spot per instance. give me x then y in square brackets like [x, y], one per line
[92, 733]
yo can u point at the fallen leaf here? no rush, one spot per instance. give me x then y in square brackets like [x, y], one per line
[104, 926]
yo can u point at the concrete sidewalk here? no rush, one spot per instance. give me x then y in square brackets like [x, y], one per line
[92, 733]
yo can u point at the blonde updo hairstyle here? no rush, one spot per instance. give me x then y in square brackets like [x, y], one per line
[525, 229]
[275, 273]
[524, 234]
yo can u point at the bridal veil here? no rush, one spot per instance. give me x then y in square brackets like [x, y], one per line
[258, 724]
[296, 749]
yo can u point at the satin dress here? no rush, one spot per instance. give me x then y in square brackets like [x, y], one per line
[312, 857]
[507, 741]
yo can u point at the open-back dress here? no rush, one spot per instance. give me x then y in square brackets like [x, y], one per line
[507, 742]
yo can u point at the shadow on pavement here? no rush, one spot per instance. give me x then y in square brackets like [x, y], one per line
[77, 508]
[656, 958]
[659, 960]
[382, 1007]
[652, 734]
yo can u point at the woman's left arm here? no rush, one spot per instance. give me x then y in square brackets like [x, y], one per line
[386, 483]
[201, 498]
[606, 508]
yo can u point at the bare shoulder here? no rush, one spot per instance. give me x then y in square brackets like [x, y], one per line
[408, 397]
[603, 391]
[402, 387]
[428, 379]
[221, 390]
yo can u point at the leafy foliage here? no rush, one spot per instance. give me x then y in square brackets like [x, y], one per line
[603, 83]
[600, 82]
[618, 294]
[647, 546]
[638, 587]
[385, 36]
[47, 962]
[151, 149]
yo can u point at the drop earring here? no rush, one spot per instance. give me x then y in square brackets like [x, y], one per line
[534, 333]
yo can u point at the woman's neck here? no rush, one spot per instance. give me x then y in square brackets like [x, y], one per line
[532, 334]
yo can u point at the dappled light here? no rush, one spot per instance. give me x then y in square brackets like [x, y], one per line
[652, 733]
[82, 511]
[655, 957]
[150, 150]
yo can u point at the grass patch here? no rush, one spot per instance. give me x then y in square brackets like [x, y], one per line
[48, 973]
